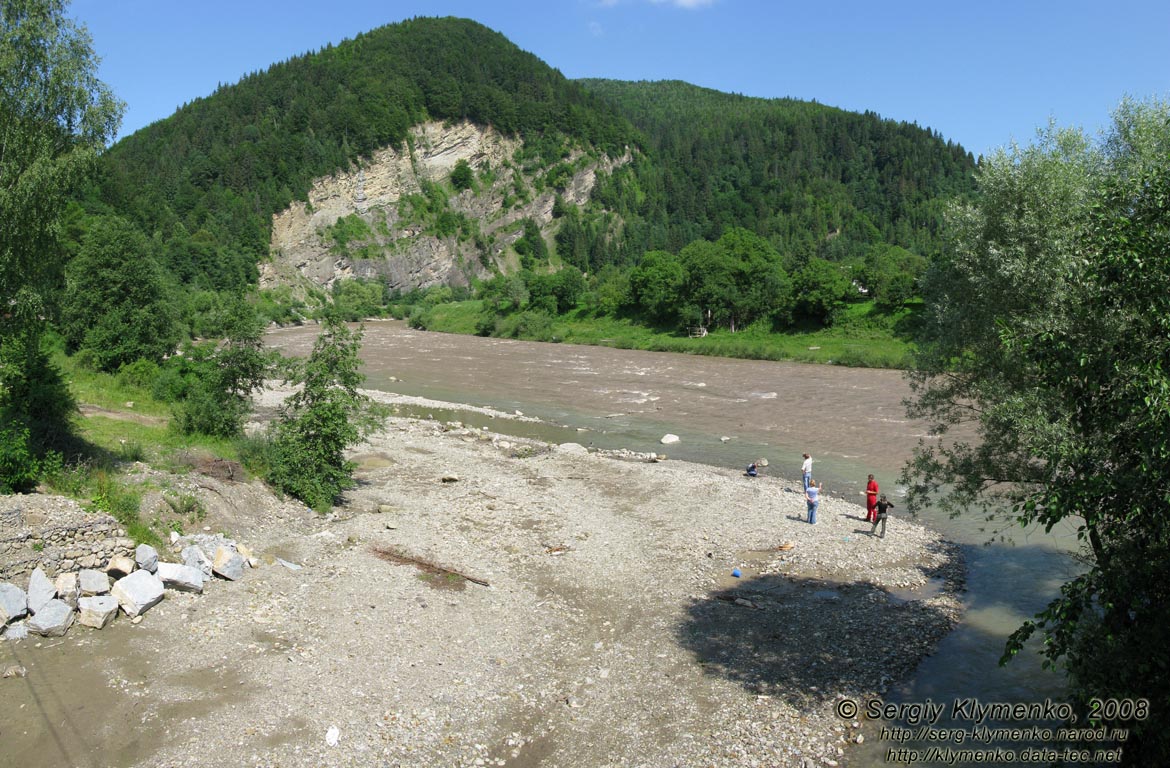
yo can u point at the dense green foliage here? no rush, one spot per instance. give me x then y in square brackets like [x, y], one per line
[222, 379]
[1048, 330]
[116, 307]
[54, 118]
[812, 180]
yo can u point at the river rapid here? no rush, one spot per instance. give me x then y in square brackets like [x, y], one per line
[728, 413]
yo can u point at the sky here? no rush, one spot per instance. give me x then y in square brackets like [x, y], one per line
[982, 73]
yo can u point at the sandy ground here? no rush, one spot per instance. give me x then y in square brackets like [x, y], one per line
[608, 631]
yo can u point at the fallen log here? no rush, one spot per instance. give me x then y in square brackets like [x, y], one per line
[426, 566]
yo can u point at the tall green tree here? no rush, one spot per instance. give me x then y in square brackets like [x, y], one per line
[1048, 331]
[656, 286]
[821, 290]
[116, 305]
[55, 117]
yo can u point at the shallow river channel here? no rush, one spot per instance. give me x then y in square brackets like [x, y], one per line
[851, 420]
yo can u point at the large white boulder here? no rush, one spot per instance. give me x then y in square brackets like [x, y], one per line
[13, 603]
[184, 578]
[228, 564]
[93, 582]
[97, 611]
[40, 590]
[52, 620]
[194, 557]
[138, 592]
[146, 557]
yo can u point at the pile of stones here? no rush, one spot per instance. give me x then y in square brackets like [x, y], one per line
[93, 597]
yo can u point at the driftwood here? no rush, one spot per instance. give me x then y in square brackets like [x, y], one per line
[426, 566]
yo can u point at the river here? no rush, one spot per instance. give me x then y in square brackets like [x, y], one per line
[729, 412]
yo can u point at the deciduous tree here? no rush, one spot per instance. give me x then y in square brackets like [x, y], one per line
[55, 116]
[1048, 330]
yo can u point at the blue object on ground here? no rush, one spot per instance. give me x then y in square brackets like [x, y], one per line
[736, 573]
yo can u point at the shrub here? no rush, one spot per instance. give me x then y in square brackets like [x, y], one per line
[140, 374]
[317, 423]
[18, 467]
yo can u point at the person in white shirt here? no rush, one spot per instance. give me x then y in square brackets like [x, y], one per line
[806, 470]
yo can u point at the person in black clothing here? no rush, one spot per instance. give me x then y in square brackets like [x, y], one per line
[882, 505]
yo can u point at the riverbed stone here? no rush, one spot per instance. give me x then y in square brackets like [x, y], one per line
[40, 590]
[93, 582]
[52, 620]
[98, 611]
[194, 557]
[669, 439]
[228, 564]
[573, 449]
[68, 588]
[184, 578]
[120, 566]
[17, 630]
[146, 557]
[138, 592]
[13, 603]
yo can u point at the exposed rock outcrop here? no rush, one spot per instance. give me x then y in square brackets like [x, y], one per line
[399, 246]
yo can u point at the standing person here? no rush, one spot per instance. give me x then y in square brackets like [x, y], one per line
[812, 495]
[871, 499]
[806, 470]
[882, 506]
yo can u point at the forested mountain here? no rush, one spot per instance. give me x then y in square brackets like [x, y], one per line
[811, 179]
[208, 178]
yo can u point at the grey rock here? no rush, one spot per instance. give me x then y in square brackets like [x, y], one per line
[13, 603]
[40, 590]
[228, 564]
[146, 557]
[16, 631]
[52, 620]
[68, 589]
[98, 611]
[120, 566]
[138, 592]
[93, 582]
[572, 449]
[194, 557]
[184, 578]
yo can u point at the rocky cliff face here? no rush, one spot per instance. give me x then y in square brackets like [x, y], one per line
[406, 209]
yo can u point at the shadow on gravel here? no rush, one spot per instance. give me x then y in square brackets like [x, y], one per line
[806, 640]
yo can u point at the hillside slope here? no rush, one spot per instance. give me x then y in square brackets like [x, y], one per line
[208, 179]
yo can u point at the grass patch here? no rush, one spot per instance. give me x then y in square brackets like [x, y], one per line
[455, 317]
[863, 337]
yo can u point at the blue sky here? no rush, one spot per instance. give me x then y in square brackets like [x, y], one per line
[981, 72]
